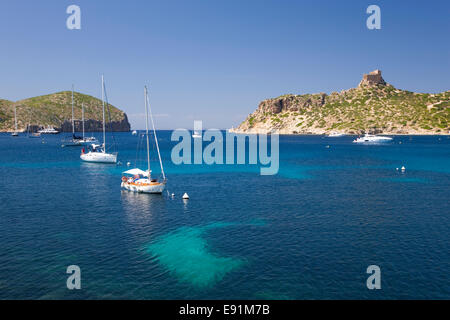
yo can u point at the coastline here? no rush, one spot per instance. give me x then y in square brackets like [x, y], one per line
[323, 132]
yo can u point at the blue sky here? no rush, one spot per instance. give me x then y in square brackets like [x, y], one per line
[216, 60]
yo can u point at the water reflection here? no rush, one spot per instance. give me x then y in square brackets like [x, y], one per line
[141, 207]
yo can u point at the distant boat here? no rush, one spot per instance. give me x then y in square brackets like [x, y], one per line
[97, 153]
[335, 134]
[48, 130]
[197, 135]
[32, 134]
[134, 132]
[138, 180]
[86, 140]
[370, 138]
[74, 141]
[15, 133]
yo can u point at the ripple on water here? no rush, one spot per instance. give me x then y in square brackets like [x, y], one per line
[185, 253]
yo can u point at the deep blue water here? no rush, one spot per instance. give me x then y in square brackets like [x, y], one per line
[309, 232]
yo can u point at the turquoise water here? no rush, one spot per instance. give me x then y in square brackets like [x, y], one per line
[307, 233]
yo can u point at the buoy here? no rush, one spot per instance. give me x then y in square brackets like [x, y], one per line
[403, 168]
[173, 195]
[185, 196]
[396, 169]
[128, 164]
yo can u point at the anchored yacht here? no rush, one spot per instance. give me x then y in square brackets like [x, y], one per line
[138, 180]
[368, 138]
[97, 153]
[48, 130]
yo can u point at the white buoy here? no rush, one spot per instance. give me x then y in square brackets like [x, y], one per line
[396, 169]
[128, 164]
[173, 195]
[185, 196]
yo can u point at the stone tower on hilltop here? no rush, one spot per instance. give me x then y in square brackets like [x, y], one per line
[372, 79]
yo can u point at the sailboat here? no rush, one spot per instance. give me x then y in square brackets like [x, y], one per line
[97, 153]
[32, 134]
[138, 180]
[86, 140]
[15, 133]
[75, 140]
[197, 134]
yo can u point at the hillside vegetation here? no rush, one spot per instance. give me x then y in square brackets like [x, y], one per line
[53, 110]
[374, 106]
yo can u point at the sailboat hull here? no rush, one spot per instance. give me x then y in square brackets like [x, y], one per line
[156, 188]
[99, 157]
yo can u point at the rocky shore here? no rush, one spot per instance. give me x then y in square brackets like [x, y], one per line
[374, 106]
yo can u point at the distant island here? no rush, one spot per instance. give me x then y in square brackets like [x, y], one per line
[55, 110]
[373, 107]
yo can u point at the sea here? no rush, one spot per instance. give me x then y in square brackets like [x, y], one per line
[311, 231]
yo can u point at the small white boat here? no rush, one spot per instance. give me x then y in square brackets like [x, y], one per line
[197, 135]
[141, 181]
[48, 130]
[370, 138]
[97, 153]
[134, 132]
[335, 134]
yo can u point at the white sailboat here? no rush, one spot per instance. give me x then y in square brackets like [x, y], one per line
[197, 134]
[138, 180]
[74, 141]
[86, 140]
[15, 133]
[97, 153]
[32, 134]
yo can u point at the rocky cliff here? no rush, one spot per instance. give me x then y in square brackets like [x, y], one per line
[56, 110]
[374, 106]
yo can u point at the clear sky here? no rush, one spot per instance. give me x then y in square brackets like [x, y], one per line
[215, 60]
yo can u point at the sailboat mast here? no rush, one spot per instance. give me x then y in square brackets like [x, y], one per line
[82, 115]
[146, 128]
[73, 122]
[103, 106]
[156, 139]
[15, 118]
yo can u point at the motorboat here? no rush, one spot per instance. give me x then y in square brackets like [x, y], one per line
[335, 134]
[48, 130]
[371, 138]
